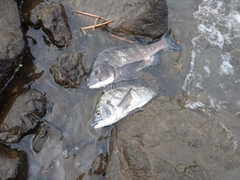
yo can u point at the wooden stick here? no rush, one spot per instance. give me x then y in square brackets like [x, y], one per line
[44, 171]
[83, 31]
[121, 38]
[91, 15]
[97, 25]
[107, 21]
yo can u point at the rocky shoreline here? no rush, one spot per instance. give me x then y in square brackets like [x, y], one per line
[46, 106]
[26, 114]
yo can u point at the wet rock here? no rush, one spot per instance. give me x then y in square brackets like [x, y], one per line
[99, 165]
[137, 17]
[11, 40]
[48, 158]
[40, 137]
[13, 163]
[23, 116]
[166, 141]
[44, 131]
[54, 22]
[68, 70]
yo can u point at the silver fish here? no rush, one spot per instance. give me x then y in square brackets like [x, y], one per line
[123, 63]
[118, 103]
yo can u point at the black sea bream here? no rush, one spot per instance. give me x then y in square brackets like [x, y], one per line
[123, 63]
[118, 103]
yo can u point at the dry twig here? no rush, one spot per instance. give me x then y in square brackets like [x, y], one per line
[95, 22]
[44, 171]
[121, 38]
[107, 21]
[97, 25]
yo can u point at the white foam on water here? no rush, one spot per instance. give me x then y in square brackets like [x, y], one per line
[226, 68]
[192, 73]
[212, 34]
[193, 105]
[207, 70]
[216, 104]
[215, 14]
[218, 24]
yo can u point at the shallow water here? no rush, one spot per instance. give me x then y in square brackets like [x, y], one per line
[205, 75]
[214, 70]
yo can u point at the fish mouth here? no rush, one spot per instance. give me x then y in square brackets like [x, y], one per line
[94, 85]
[94, 123]
[91, 84]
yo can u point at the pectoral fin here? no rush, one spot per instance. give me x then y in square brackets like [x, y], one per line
[129, 76]
[126, 101]
[130, 71]
[155, 59]
[132, 66]
[136, 110]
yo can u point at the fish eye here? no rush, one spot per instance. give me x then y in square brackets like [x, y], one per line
[96, 72]
[98, 112]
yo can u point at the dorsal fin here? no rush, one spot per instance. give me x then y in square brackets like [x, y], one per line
[135, 82]
[126, 101]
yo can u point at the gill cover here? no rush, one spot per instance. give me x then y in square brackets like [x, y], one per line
[105, 115]
[101, 76]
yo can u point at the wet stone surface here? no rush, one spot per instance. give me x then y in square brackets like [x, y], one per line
[11, 40]
[12, 163]
[43, 131]
[136, 17]
[54, 22]
[160, 144]
[68, 70]
[99, 165]
[23, 116]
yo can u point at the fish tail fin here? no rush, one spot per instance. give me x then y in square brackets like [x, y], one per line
[170, 42]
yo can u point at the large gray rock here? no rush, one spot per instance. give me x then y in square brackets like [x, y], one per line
[166, 141]
[137, 17]
[13, 163]
[11, 40]
[23, 116]
[54, 22]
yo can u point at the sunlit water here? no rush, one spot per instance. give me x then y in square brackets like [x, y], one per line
[210, 81]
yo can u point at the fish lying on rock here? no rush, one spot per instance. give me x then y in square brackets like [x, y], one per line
[117, 103]
[123, 63]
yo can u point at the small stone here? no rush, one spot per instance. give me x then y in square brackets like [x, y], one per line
[78, 164]
[58, 163]
[77, 148]
[65, 153]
